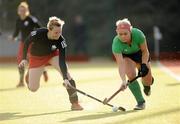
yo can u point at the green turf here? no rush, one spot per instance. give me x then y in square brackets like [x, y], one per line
[50, 105]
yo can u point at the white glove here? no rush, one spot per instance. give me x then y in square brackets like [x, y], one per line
[66, 83]
[23, 63]
[123, 85]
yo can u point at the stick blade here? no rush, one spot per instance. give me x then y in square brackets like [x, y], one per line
[122, 109]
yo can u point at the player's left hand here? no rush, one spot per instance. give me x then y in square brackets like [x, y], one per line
[143, 70]
[66, 83]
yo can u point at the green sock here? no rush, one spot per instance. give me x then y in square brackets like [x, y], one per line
[136, 91]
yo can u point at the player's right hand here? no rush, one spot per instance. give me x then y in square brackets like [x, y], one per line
[123, 85]
[23, 63]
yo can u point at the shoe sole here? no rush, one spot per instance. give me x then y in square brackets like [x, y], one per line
[139, 108]
[76, 109]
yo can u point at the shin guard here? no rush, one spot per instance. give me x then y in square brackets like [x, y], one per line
[72, 93]
[136, 91]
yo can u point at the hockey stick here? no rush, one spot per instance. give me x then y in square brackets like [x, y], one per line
[106, 100]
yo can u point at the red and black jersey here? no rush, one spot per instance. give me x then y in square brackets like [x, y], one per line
[26, 26]
[42, 46]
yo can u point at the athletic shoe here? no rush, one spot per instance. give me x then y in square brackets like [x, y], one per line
[147, 90]
[140, 106]
[76, 107]
[45, 75]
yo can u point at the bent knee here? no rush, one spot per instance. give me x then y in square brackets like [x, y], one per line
[148, 82]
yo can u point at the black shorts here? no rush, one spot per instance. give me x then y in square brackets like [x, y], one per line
[136, 57]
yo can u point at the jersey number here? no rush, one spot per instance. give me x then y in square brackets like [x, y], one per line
[63, 44]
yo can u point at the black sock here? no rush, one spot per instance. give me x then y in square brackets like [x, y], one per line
[147, 87]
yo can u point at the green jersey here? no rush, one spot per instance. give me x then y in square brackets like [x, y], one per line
[137, 38]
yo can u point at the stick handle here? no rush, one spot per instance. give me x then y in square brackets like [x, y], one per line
[119, 90]
[133, 79]
[109, 99]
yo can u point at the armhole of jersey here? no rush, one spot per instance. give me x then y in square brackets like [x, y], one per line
[115, 49]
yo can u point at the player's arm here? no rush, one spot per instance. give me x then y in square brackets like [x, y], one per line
[29, 39]
[62, 61]
[143, 71]
[121, 66]
[24, 61]
[145, 52]
[16, 31]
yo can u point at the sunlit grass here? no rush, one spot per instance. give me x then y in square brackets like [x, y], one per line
[50, 104]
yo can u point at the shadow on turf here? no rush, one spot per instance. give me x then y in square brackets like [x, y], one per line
[8, 115]
[11, 89]
[130, 119]
[174, 84]
[98, 116]
[17, 115]
[148, 116]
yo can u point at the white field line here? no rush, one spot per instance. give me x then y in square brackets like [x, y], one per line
[168, 71]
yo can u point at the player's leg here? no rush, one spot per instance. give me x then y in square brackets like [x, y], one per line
[130, 67]
[21, 70]
[45, 76]
[148, 81]
[71, 92]
[27, 74]
[21, 77]
[34, 78]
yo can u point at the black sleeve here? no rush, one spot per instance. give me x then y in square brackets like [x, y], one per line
[17, 29]
[62, 62]
[29, 39]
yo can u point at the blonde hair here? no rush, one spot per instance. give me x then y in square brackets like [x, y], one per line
[26, 6]
[54, 21]
[123, 21]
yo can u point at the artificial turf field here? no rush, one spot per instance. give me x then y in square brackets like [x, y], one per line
[50, 104]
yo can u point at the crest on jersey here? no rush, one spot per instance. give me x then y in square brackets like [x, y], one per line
[26, 23]
[63, 44]
[53, 47]
[125, 50]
